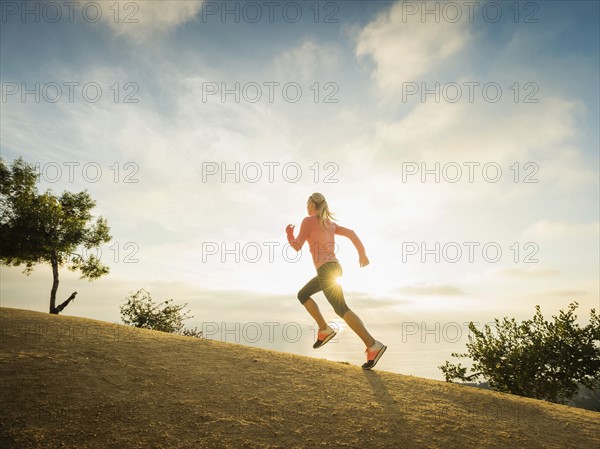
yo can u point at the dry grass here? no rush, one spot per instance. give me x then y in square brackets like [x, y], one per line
[79, 383]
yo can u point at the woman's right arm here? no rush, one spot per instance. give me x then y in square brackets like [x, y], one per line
[363, 260]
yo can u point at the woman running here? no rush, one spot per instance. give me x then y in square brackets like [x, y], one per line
[319, 229]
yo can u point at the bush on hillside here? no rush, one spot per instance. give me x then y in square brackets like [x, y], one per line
[535, 358]
[140, 310]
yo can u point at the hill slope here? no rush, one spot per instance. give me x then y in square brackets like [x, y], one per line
[81, 383]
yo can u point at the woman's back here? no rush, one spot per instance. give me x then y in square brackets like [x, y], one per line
[321, 240]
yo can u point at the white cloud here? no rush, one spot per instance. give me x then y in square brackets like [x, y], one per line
[546, 229]
[571, 293]
[308, 62]
[141, 21]
[523, 273]
[445, 131]
[404, 49]
[433, 289]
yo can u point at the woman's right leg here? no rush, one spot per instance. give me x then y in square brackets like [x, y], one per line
[359, 328]
[328, 274]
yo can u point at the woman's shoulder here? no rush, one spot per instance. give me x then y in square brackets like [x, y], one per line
[310, 220]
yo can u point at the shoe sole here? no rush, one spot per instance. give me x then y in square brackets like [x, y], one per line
[329, 337]
[376, 359]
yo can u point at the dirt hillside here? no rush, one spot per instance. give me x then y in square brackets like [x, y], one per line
[78, 383]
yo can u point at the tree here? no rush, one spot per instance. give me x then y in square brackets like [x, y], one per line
[535, 358]
[140, 310]
[43, 228]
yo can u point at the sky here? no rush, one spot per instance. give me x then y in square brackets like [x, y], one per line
[459, 140]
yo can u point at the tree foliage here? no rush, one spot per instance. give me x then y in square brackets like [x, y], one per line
[43, 228]
[535, 358]
[140, 310]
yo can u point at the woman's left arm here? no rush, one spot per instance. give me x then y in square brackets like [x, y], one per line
[297, 243]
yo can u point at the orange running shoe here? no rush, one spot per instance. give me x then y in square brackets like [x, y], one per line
[323, 336]
[374, 353]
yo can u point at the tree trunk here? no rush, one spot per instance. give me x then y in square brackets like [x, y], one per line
[53, 309]
[54, 262]
[61, 307]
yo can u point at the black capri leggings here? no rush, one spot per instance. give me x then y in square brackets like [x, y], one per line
[326, 280]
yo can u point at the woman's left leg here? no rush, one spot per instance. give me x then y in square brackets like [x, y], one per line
[313, 308]
[304, 296]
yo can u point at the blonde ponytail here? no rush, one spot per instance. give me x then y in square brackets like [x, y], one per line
[322, 208]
